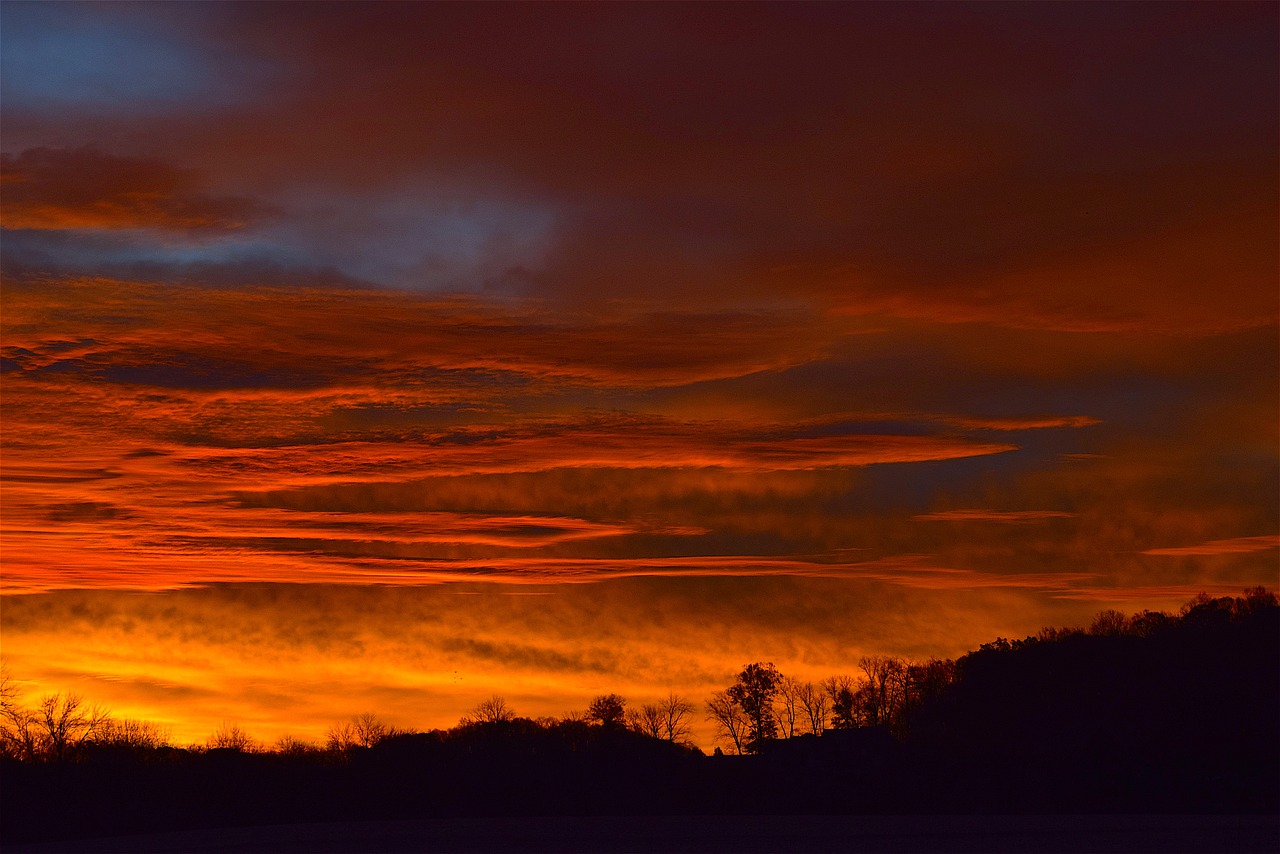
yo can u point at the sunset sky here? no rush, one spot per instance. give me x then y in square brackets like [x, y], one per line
[387, 356]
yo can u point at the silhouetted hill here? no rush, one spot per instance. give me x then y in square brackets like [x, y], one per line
[1152, 714]
[1185, 718]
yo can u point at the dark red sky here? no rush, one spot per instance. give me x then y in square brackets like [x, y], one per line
[733, 331]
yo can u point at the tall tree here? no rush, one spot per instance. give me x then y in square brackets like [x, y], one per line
[813, 702]
[788, 708]
[756, 692]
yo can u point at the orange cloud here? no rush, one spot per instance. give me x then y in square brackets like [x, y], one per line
[298, 658]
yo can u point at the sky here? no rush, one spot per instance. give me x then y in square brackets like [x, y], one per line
[383, 357]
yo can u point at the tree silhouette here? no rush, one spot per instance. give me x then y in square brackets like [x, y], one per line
[18, 735]
[755, 692]
[813, 702]
[609, 710]
[492, 710]
[880, 694]
[924, 683]
[229, 736]
[133, 734]
[59, 725]
[667, 719]
[293, 747]
[676, 711]
[732, 723]
[1109, 622]
[363, 730]
[646, 720]
[788, 710]
[65, 723]
[1256, 599]
[839, 690]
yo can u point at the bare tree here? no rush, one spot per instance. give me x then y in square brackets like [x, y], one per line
[65, 722]
[813, 702]
[647, 720]
[340, 737]
[1109, 622]
[134, 734]
[362, 730]
[491, 710]
[288, 745]
[667, 719]
[19, 734]
[676, 712]
[787, 709]
[367, 729]
[881, 693]
[8, 688]
[229, 736]
[731, 720]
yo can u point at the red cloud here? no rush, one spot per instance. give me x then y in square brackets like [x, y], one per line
[57, 189]
[992, 515]
[1235, 545]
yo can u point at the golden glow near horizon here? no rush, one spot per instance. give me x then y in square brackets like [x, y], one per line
[329, 398]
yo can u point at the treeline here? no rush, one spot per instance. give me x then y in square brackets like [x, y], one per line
[1140, 713]
[64, 727]
[760, 707]
[764, 705]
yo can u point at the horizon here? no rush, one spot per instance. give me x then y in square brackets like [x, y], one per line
[388, 357]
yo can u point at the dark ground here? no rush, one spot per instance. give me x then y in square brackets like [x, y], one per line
[1066, 834]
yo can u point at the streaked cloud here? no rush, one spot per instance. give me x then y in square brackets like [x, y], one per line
[1234, 545]
[992, 515]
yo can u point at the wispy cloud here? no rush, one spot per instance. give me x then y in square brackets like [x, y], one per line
[1013, 516]
[1234, 545]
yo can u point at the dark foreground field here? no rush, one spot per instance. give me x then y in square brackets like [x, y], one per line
[1066, 834]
